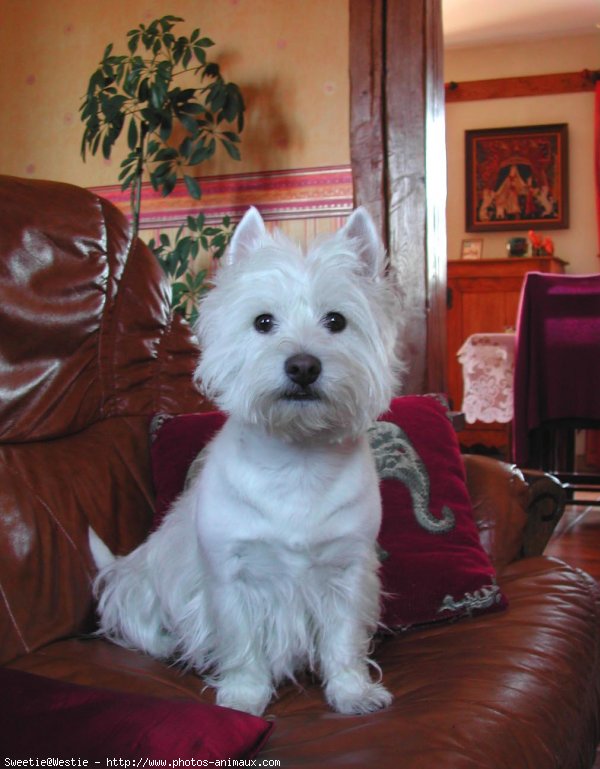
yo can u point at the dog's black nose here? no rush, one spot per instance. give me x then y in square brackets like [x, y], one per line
[303, 369]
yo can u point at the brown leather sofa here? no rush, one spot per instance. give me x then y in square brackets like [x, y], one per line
[88, 353]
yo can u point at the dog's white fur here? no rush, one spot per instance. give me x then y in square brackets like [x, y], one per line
[267, 563]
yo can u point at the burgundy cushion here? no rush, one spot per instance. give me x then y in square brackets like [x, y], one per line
[176, 441]
[41, 717]
[434, 567]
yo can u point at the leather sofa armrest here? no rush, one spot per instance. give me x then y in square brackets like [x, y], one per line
[500, 498]
[547, 498]
[515, 511]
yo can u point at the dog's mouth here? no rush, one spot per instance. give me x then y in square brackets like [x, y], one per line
[300, 395]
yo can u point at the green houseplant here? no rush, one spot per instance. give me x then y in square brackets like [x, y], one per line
[175, 110]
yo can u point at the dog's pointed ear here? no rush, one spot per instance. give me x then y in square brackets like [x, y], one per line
[360, 227]
[249, 232]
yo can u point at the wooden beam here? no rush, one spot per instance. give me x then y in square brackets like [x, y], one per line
[397, 147]
[532, 85]
[407, 209]
[367, 113]
[436, 185]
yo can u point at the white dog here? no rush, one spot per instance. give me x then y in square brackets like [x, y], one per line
[267, 562]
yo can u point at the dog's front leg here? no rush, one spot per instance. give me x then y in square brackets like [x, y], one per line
[350, 615]
[243, 679]
[244, 688]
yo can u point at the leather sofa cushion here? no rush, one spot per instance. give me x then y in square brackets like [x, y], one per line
[85, 315]
[89, 351]
[50, 492]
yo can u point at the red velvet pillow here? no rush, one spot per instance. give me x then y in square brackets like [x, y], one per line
[42, 717]
[434, 567]
[176, 441]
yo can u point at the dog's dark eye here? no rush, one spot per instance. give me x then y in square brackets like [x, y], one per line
[264, 323]
[334, 322]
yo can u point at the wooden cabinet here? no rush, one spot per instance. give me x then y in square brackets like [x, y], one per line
[483, 296]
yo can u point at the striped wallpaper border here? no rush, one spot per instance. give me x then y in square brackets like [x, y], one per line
[305, 193]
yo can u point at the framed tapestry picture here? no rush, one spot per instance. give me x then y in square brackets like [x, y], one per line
[517, 178]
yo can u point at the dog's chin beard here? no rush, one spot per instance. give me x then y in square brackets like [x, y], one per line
[301, 414]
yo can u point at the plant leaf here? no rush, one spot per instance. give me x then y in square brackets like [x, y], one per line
[232, 150]
[134, 36]
[192, 185]
[166, 153]
[132, 134]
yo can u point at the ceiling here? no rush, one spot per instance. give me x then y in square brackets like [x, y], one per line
[479, 22]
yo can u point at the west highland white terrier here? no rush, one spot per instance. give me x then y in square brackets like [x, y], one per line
[267, 564]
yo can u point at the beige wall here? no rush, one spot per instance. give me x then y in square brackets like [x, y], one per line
[578, 244]
[290, 57]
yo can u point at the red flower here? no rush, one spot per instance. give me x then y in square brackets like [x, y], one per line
[548, 246]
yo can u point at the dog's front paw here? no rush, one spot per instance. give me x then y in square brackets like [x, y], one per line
[355, 695]
[243, 693]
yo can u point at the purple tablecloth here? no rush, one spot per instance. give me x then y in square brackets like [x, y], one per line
[557, 356]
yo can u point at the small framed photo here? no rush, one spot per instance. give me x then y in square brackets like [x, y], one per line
[472, 248]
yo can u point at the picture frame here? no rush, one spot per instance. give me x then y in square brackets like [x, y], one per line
[471, 248]
[517, 178]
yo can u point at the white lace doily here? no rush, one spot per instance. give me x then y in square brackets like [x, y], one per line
[488, 365]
